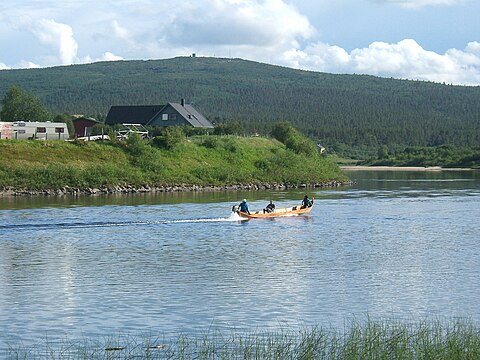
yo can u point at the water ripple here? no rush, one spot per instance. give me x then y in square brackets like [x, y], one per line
[181, 267]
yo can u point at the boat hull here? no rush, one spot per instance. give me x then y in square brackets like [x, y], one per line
[291, 211]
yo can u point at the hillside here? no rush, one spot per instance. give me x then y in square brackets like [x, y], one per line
[200, 161]
[340, 111]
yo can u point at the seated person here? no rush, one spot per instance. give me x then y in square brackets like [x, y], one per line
[306, 202]
[270, 207]
[244, 206]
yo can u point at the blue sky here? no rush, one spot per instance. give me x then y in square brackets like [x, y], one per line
[435, 40]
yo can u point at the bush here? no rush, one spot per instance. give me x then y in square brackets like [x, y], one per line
[136, 145]
[173, 136]
[293, 139]
[210, 142]
[229, 128]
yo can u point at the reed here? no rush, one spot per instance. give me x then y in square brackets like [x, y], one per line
[439, 340]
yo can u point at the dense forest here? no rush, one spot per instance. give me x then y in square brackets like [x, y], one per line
[349, 114]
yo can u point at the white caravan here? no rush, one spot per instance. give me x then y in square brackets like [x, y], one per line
[23, 130]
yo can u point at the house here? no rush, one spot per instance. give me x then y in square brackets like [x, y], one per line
[171, 114]
[83, 125]
[23, 130]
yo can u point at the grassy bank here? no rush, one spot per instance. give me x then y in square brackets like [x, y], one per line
[456, 339]
[207, 160]
[446, 156]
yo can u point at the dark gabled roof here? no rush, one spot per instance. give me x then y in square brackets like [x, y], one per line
[128, 114]
[145, 114]
[190, 114]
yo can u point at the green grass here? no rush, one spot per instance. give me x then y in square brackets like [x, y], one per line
[446, 156]
[343, 161]
[212, 160]
[439, 340]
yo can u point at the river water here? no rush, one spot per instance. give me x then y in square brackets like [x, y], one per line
[396, 245]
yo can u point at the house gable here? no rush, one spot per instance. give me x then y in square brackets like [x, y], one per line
[172, 114]
[168, 116]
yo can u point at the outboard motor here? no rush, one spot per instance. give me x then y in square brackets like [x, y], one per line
[235, 208]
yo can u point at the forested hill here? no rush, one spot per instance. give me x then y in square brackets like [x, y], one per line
[335, 109]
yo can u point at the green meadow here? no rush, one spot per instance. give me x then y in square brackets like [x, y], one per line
[197, 160]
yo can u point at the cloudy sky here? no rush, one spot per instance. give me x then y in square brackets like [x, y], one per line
[437, 40]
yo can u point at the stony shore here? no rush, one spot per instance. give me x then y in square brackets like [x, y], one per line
[130, 189]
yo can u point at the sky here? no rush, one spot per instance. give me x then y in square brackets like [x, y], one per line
[432, 40]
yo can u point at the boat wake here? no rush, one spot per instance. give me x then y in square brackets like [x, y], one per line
[233, 217]
[72, 225]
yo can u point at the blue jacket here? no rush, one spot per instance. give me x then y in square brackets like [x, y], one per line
[244, 207]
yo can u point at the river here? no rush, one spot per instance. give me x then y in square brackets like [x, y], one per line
[395, 245]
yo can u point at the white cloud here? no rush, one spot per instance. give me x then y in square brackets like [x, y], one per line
[120, 32]
[250, 29]
[27, 65]
[318, 56]
[271, 31]
[473, 48]
[269, 23]
[108, 56]
[59, 37]
[405, 59]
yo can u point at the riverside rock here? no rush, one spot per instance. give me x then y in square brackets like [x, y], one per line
[131, 189]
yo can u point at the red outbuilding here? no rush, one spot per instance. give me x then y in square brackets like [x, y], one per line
[83, 125]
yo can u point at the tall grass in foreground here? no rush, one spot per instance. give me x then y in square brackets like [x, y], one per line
[456, 339]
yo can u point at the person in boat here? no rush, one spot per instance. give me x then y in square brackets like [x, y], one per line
[244, 206]
[306, 202]
[269, 208]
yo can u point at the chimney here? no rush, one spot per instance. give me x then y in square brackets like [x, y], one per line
[182, 102]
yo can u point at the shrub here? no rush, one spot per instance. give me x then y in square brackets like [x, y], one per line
[229, 128]
[136, 145]
[210, 142]
[293, 139]
[173, 136]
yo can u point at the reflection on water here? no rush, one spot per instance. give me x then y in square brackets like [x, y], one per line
[394, 245]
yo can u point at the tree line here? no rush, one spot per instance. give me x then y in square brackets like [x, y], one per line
[353, 115]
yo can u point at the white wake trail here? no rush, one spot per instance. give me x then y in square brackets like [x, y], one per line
[233, 217]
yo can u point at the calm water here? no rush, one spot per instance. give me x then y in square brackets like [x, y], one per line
[395, 245]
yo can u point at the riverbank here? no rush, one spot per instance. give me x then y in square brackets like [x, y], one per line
[130, 189]
[400, 168]
[202, 163]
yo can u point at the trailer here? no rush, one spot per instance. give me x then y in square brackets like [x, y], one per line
[23, 130]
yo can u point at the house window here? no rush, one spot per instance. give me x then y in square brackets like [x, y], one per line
[173, 116]
[41, 130]
[164, 116]
[59, 130]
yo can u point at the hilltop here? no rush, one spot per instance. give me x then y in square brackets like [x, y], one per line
[343, 112]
